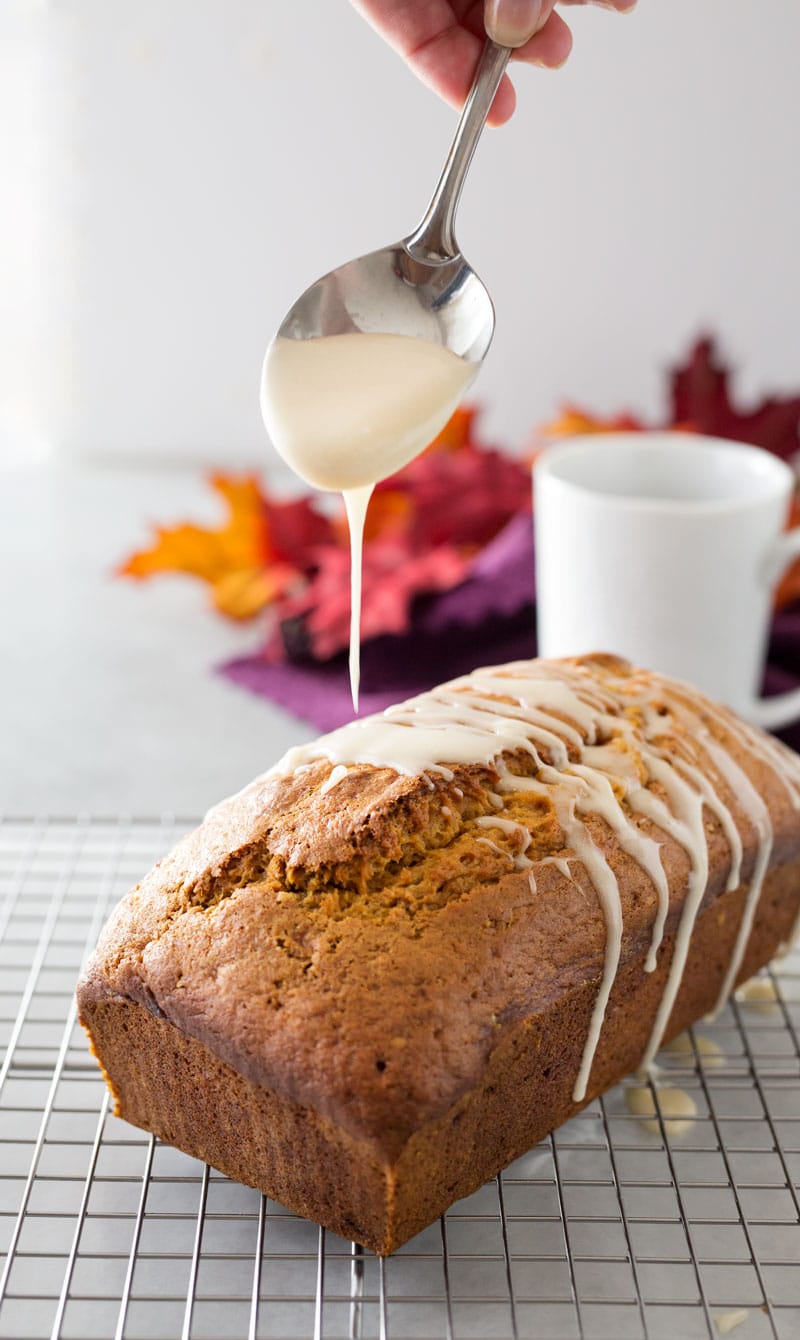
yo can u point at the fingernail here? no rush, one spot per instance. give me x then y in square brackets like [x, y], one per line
[511, 23]
[549, 65]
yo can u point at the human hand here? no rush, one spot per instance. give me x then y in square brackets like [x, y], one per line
[441, 39]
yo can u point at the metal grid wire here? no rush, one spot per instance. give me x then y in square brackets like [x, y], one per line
[614, 1227]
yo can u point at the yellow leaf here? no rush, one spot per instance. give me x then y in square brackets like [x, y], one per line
[236, 558]
[207, 552]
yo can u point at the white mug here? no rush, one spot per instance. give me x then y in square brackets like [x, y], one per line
[664, 548]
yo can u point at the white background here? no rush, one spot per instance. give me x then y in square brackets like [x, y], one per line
[173, 172]
[177, 170]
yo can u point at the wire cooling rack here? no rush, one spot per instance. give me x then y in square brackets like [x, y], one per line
[615, 1227]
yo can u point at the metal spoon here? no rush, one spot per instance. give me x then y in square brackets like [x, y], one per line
[422, 286]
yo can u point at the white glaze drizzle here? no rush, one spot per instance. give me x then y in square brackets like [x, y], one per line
[558, 709]
[686, 823]
[780, 760]
[607, 889]
[783, 762]
[692, 841]
[758, 814]
[487, 842]
[600, 799]
[521, 861]
[726, 820]
[333, 779]
[561, 864]
[605, 885]
[356, 502]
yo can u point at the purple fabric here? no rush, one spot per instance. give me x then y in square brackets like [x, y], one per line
[486, 620]
[402, 666]
[500, 582]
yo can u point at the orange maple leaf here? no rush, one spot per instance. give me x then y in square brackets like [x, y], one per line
[573, 421]
[457, 432]
[237, 559]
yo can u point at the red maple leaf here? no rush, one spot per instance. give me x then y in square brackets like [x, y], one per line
[317, 620]
[461, 497]
[458, 492]
[296, 529]
[701, 399]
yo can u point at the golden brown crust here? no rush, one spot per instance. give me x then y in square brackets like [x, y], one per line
[361, 954]
[168, 1082]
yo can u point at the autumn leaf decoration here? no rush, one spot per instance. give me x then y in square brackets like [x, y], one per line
[700, 401]
[253, 559]
[289, 561]
[699, 397]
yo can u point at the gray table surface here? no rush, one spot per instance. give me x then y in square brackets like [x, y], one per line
[109, 702]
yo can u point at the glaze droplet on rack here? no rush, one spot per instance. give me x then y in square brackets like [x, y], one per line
[623, 746]
[675, 1106]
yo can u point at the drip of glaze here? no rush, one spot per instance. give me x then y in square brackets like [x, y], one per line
[333, 779]
[521, 861]
[607, 888]
[686, 823]
[673, 774]
[356, 502]
[758, 814]
[783, 762]
[690, 836]
[487, 842]
[721, 812]
[600, 799]
[561, 864]
[346, 411]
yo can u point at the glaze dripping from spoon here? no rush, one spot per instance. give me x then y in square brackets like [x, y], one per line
[371, 361]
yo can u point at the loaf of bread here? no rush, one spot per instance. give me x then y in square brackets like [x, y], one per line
[403, 956]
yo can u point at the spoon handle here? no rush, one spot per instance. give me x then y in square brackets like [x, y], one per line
[435, 238]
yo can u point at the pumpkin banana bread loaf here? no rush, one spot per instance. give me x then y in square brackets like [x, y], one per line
[395, 962]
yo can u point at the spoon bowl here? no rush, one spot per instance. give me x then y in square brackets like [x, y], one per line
[421, 287]
[396, 291]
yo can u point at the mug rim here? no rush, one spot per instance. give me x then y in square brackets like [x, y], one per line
[546, 466]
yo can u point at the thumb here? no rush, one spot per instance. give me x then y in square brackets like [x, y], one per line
[511, 23]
